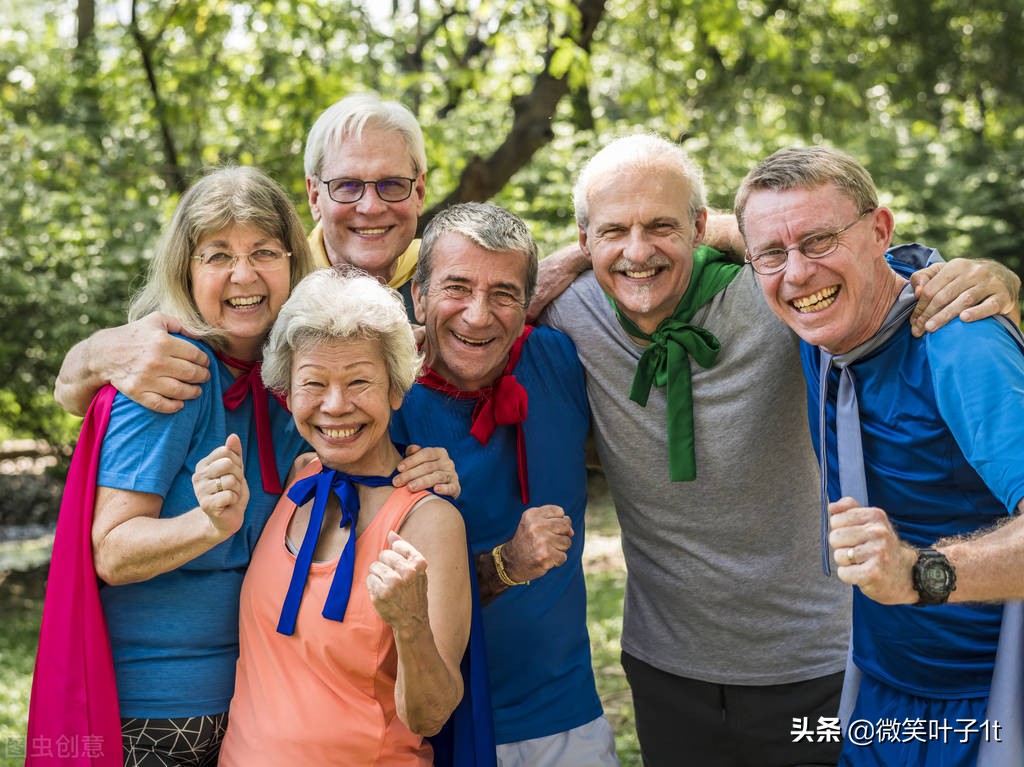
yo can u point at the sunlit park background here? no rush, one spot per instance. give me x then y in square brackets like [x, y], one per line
[110, 108]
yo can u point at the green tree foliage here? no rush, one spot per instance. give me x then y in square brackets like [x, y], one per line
[109, 109]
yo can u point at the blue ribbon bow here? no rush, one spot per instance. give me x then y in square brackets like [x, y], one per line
[319, 487]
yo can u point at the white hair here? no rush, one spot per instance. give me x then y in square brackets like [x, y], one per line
[334, 304]
[642, 151]
[350, 116]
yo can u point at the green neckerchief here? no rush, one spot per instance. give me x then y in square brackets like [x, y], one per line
[665, 362]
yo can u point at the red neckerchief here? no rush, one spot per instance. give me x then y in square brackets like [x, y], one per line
[249, 382]
[503, 403]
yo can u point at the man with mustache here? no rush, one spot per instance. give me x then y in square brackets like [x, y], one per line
[732, 641]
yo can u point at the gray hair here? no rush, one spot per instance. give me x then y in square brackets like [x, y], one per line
[491, 227]
[341, 304]
[350, 116]
[641, 151]
[807, 168]
[225, 196]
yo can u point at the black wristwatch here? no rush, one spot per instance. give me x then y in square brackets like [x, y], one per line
[934, 577]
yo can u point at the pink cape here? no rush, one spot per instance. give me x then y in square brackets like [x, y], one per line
[73, 717]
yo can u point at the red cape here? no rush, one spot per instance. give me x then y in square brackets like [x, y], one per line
[73, 717]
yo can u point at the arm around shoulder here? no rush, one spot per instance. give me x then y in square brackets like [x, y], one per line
[722, 232]
[141, 359]
[79, 378]
[968, 288]
[554, 274]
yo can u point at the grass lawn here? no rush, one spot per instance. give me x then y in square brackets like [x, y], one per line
[21, 595]
[606, 580]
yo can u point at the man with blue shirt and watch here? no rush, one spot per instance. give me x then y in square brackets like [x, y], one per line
[922, 448]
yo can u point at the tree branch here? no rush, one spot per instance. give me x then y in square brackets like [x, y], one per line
[413, 59]
[482, 178]
[85, 12]
[171, 171]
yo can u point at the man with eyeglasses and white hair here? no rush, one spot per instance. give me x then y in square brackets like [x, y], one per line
[733, 643]
[366, 179]
[921, 441]
[366, 167]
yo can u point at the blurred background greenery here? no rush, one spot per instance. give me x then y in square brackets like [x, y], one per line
[109, 108]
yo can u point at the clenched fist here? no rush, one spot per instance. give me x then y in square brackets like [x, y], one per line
[540, 542]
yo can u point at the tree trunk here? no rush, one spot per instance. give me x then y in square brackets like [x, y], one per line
[86, 12]
[171, 170]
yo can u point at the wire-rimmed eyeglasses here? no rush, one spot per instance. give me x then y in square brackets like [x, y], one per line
[262, 260]
[815, 246]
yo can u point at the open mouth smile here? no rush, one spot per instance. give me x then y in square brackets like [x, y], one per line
[470, 341]
[637, 272]
[244, 302]
[640, 274]
[339, 433]
[816, 301]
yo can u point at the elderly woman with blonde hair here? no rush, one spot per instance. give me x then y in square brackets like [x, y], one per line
[349, 652]
[157, 508]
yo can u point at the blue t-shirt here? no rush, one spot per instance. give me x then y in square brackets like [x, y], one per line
[175, 636]
[538, 649]
[942, 458]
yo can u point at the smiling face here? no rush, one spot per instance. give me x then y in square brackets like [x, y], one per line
[837, 301]
[341, 401]
[370, 233]
[641, 241]
[241, 302]
[473, 310]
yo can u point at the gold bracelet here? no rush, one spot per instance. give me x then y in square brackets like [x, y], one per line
[499, 565]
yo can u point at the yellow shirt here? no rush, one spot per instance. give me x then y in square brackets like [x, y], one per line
[405, 266]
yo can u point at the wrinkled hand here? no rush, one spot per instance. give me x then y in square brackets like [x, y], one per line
[970, 289]
[428, 468]
[154, 368]
[220, 487]
[870, 554]
[398, 585]
[541, 540]
[554, 274]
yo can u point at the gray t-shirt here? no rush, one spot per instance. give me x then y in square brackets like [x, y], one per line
[724, 573]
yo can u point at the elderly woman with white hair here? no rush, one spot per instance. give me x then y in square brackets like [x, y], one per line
[349, 651]
[151, 509]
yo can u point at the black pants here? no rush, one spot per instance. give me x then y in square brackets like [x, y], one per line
[186, 742]
[682, 722]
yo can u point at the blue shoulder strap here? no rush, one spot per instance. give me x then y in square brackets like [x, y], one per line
[467, 738]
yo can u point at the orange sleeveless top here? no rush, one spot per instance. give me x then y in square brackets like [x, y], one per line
[326, 694]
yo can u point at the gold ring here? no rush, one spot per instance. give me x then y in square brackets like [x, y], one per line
[220, 486]
[849, 555]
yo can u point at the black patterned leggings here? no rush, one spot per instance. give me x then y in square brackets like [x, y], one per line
[192, 741]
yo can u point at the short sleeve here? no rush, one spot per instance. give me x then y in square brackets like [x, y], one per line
[978, 377]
